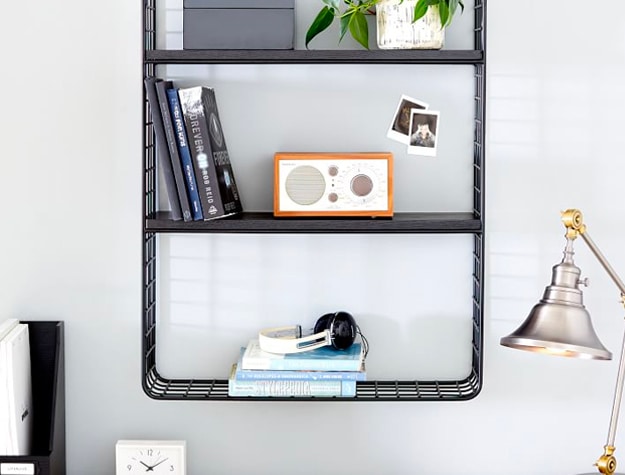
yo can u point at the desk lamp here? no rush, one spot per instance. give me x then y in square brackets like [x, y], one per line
[560, 325]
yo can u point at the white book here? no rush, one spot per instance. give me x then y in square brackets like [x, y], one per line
[16, 389]
[7, 325]
[5, 328]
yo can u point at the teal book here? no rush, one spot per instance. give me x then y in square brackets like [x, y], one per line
[289, 387]
[260, 374]
[325, 358]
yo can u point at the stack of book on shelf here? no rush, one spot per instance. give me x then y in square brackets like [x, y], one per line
[323, 372]
[191, 151]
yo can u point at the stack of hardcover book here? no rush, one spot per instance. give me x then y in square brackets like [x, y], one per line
[323, 372]
[191, 151]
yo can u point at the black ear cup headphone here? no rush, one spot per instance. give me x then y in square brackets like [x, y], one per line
[337, 329]
[341, 327]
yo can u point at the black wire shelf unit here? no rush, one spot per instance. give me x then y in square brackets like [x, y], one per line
[156, 222]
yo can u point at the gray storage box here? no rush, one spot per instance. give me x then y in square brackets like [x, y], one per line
[238, 24]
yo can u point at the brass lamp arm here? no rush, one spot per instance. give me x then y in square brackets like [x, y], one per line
[572, 219]
[574, 223]
[606, 265]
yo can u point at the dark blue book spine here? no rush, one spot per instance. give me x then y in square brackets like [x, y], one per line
[162, 152]
[185, 154]
[170, 135]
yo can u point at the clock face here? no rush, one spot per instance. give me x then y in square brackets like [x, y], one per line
[150, 456]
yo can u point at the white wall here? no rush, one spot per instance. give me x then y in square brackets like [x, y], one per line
[70, 245]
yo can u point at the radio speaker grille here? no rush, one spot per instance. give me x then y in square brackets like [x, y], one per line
[305, 185]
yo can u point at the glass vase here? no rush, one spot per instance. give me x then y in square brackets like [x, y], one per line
[396, 30]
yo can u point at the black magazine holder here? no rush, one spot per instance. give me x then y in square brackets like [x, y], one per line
[48, 383]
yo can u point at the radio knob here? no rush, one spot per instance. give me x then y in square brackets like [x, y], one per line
[333, 170]
[361, 185]
[333, 197]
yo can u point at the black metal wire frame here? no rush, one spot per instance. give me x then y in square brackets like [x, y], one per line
[157, 387]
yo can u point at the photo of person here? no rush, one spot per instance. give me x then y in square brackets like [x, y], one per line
[400, 126]
[424, 128]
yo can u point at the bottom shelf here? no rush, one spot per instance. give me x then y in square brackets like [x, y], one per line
[159, 388]
[217, 389]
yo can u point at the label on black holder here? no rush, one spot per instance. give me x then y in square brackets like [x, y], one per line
[17, 468]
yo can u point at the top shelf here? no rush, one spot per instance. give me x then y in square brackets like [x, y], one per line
[314, 56]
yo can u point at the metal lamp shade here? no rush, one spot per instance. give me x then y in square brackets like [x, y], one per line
[559, 324]
[558, 329]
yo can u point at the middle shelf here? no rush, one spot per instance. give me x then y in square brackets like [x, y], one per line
[264, 222]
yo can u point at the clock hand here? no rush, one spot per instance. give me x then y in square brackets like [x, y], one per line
[150, 468]
[158, 463]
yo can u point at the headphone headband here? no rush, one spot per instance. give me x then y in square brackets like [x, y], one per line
[289, 340]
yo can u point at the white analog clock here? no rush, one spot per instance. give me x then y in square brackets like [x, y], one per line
[150, 456]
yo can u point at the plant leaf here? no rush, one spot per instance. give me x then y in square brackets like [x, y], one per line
[322, 21]
[420, 10]
[359, 28]
[443, 11]
[344, 22]
[453, 6]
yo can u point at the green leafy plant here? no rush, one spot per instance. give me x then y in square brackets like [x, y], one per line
[353, 17]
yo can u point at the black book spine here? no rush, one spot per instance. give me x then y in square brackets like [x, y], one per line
[199, 143]
[227, 183]
[162, 150]
[170, 134]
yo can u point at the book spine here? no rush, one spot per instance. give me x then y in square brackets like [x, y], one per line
[227, 183]
[170, 135]
[285, 388]
[322, 359]
[291, 388]
[163, 158]
[292, 364]
[185, 154]
[251, 375]
[199, 143]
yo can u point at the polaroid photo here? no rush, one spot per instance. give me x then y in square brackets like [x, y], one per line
[424, 131]
[400, 126]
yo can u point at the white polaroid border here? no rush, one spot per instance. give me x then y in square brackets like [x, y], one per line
[400, 125]
[425, 142]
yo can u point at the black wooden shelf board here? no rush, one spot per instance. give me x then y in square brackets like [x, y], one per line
[314, 56]
[266, 223]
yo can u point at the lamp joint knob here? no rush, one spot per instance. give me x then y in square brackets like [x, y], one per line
[607, 462]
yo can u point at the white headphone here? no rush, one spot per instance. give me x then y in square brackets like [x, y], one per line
[336, 329]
